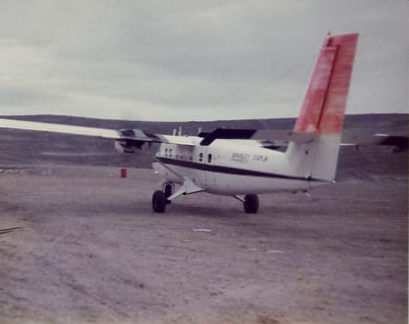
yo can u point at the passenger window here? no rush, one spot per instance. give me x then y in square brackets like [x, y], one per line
[209, 158]
[166, 152]
[200, 157]
[170, 152]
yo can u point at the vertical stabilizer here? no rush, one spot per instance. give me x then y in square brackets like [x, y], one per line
[323, 109]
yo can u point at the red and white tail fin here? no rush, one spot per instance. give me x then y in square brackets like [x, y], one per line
[323, 109]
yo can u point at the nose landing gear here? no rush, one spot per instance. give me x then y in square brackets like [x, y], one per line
[159, 201]
[168, 189]
[160, 197]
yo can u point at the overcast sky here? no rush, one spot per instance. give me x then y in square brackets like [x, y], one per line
[193, 59]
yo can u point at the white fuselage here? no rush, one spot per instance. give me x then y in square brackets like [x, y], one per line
[229, 167]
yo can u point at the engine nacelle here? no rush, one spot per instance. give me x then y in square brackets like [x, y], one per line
[127, 146]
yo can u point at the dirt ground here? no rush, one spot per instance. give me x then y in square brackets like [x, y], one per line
[90, 250]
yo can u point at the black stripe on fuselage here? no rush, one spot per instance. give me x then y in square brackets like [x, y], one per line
[228, 170]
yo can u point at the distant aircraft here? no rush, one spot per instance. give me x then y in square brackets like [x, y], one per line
[244, 162]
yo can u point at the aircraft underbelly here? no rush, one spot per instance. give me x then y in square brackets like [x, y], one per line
[246, 184]
[175, 173]
[167, 173]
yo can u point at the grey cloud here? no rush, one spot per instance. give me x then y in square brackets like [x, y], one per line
[17, 96]
[192, 58]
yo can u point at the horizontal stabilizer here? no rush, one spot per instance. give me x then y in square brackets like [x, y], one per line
[401, 143]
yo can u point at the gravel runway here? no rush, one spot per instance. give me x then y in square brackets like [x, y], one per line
[90, 250]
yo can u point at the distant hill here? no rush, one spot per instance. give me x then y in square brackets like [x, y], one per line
[28, 148]
[397, 123]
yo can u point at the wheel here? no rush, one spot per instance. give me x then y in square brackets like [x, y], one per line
[168, 190]
[159, 202]
[251, 204]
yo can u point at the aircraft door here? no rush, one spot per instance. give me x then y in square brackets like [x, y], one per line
[210, 159]
[199, 176]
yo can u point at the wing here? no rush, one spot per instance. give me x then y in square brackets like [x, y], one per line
[59, 128]
[253, 134]
[126, 140]
[279, 138]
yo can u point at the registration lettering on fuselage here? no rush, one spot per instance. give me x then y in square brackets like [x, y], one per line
[240, 157]
[245, 158]
[260, 158]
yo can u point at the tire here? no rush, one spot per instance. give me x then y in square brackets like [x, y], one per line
[168, 190]
[159, 202]
[251, 204]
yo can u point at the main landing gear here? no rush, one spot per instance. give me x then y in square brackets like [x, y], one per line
[251, 204]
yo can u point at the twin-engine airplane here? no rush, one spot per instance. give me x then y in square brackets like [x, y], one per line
[243, 162]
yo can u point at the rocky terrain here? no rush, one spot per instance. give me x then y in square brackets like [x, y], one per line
[79, 244]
